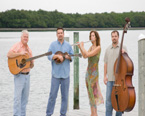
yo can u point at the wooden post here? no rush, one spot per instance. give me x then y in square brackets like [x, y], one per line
[76, 73]
[141, 74]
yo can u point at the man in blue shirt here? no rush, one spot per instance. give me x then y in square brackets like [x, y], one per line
[60, 73]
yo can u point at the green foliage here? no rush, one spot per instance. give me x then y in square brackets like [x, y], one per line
[44, 19]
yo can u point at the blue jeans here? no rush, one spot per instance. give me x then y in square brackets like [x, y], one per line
[109, 107]
[55, 82]
[21, 94]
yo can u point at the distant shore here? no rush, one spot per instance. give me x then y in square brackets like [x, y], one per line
[67, 29]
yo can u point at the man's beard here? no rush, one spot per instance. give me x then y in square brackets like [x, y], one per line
[114, 42]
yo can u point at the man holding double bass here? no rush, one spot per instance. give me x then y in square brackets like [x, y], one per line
[110, 57]
[60, 72]
[22, 79]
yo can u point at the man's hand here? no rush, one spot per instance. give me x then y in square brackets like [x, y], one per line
[23, 53]
[105, 80]
[60, 58]
[123, 51]
[31, 64]
[68, 57]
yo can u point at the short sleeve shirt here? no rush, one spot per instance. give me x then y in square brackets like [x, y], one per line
[110, 57]
[19, 47]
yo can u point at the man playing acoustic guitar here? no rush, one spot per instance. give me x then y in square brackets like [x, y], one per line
[21, 80]
[60, 72]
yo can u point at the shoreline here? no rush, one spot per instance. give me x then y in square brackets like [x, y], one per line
[67, 29]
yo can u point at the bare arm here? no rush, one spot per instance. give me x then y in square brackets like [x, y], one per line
[12, 54]
[105, 74]
[84, 56]
[91, 53]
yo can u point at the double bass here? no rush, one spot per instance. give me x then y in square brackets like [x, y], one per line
[123, 95]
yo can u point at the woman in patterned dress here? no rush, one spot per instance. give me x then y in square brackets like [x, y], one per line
[92, 74]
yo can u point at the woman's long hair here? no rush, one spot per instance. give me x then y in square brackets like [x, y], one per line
[97, 37]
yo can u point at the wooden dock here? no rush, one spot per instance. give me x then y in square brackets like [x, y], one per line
[82, 112]
[86, 112]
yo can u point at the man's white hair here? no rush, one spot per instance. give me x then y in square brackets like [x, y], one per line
[25, 31]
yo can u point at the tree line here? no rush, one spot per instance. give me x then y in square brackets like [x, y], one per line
[53, 19]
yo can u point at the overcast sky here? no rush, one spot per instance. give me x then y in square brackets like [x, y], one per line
[75, 6]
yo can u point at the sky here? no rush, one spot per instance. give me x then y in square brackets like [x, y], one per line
[75, 6]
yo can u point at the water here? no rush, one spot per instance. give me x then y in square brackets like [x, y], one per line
[41, 74]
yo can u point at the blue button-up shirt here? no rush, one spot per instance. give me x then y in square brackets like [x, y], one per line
[60, 70]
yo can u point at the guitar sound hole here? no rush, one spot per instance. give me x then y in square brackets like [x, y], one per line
[22, 64]
[23, 61]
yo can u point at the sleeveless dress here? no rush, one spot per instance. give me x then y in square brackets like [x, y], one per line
[92, 81]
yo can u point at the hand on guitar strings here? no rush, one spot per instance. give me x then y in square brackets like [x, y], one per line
[58, 58]
[31, 64]
[23, 53]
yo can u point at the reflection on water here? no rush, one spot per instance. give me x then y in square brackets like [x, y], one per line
[41, 74]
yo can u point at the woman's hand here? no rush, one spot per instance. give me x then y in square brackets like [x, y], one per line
[81, 44]
[78, 45]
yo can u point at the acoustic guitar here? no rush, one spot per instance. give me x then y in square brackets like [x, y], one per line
[19, 63]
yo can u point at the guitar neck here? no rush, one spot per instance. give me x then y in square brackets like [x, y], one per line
[35, 57]
[74, 55]
[79, 55]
